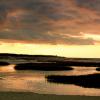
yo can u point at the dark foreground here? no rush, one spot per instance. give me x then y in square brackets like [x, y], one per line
[33, 96]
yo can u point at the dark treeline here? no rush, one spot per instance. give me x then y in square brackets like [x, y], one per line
[63, 61]
[24, 55]
[42, 66]
[39, 58]
[87, 81]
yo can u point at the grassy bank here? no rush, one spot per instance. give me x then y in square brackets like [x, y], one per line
[87, 81]
[3, 63]
[43, 66]
[33, 96]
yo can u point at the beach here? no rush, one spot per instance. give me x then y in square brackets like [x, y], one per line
[34, 96]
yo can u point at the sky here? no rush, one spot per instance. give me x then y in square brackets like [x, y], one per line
[67, 28]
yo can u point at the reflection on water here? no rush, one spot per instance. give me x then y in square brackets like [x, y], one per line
[9, 68]
[83, 70]
[34, 81]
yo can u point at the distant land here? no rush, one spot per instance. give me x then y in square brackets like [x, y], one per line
[21, 58]
[29, 58]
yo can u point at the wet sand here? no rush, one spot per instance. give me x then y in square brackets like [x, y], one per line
[34, 96]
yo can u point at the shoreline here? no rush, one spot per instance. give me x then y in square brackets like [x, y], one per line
[35, 96]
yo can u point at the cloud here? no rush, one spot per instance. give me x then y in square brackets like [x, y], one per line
[90, 4]
[3, 13]
[49, 38]
[49, 21]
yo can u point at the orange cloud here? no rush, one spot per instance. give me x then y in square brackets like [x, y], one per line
[49, 21]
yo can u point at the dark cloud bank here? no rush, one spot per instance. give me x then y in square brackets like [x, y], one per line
[49, 21]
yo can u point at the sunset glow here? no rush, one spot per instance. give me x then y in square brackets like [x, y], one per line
[69, 28]
[59, 50]
[93, 36]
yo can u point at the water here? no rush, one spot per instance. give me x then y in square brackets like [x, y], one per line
[35, 81]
